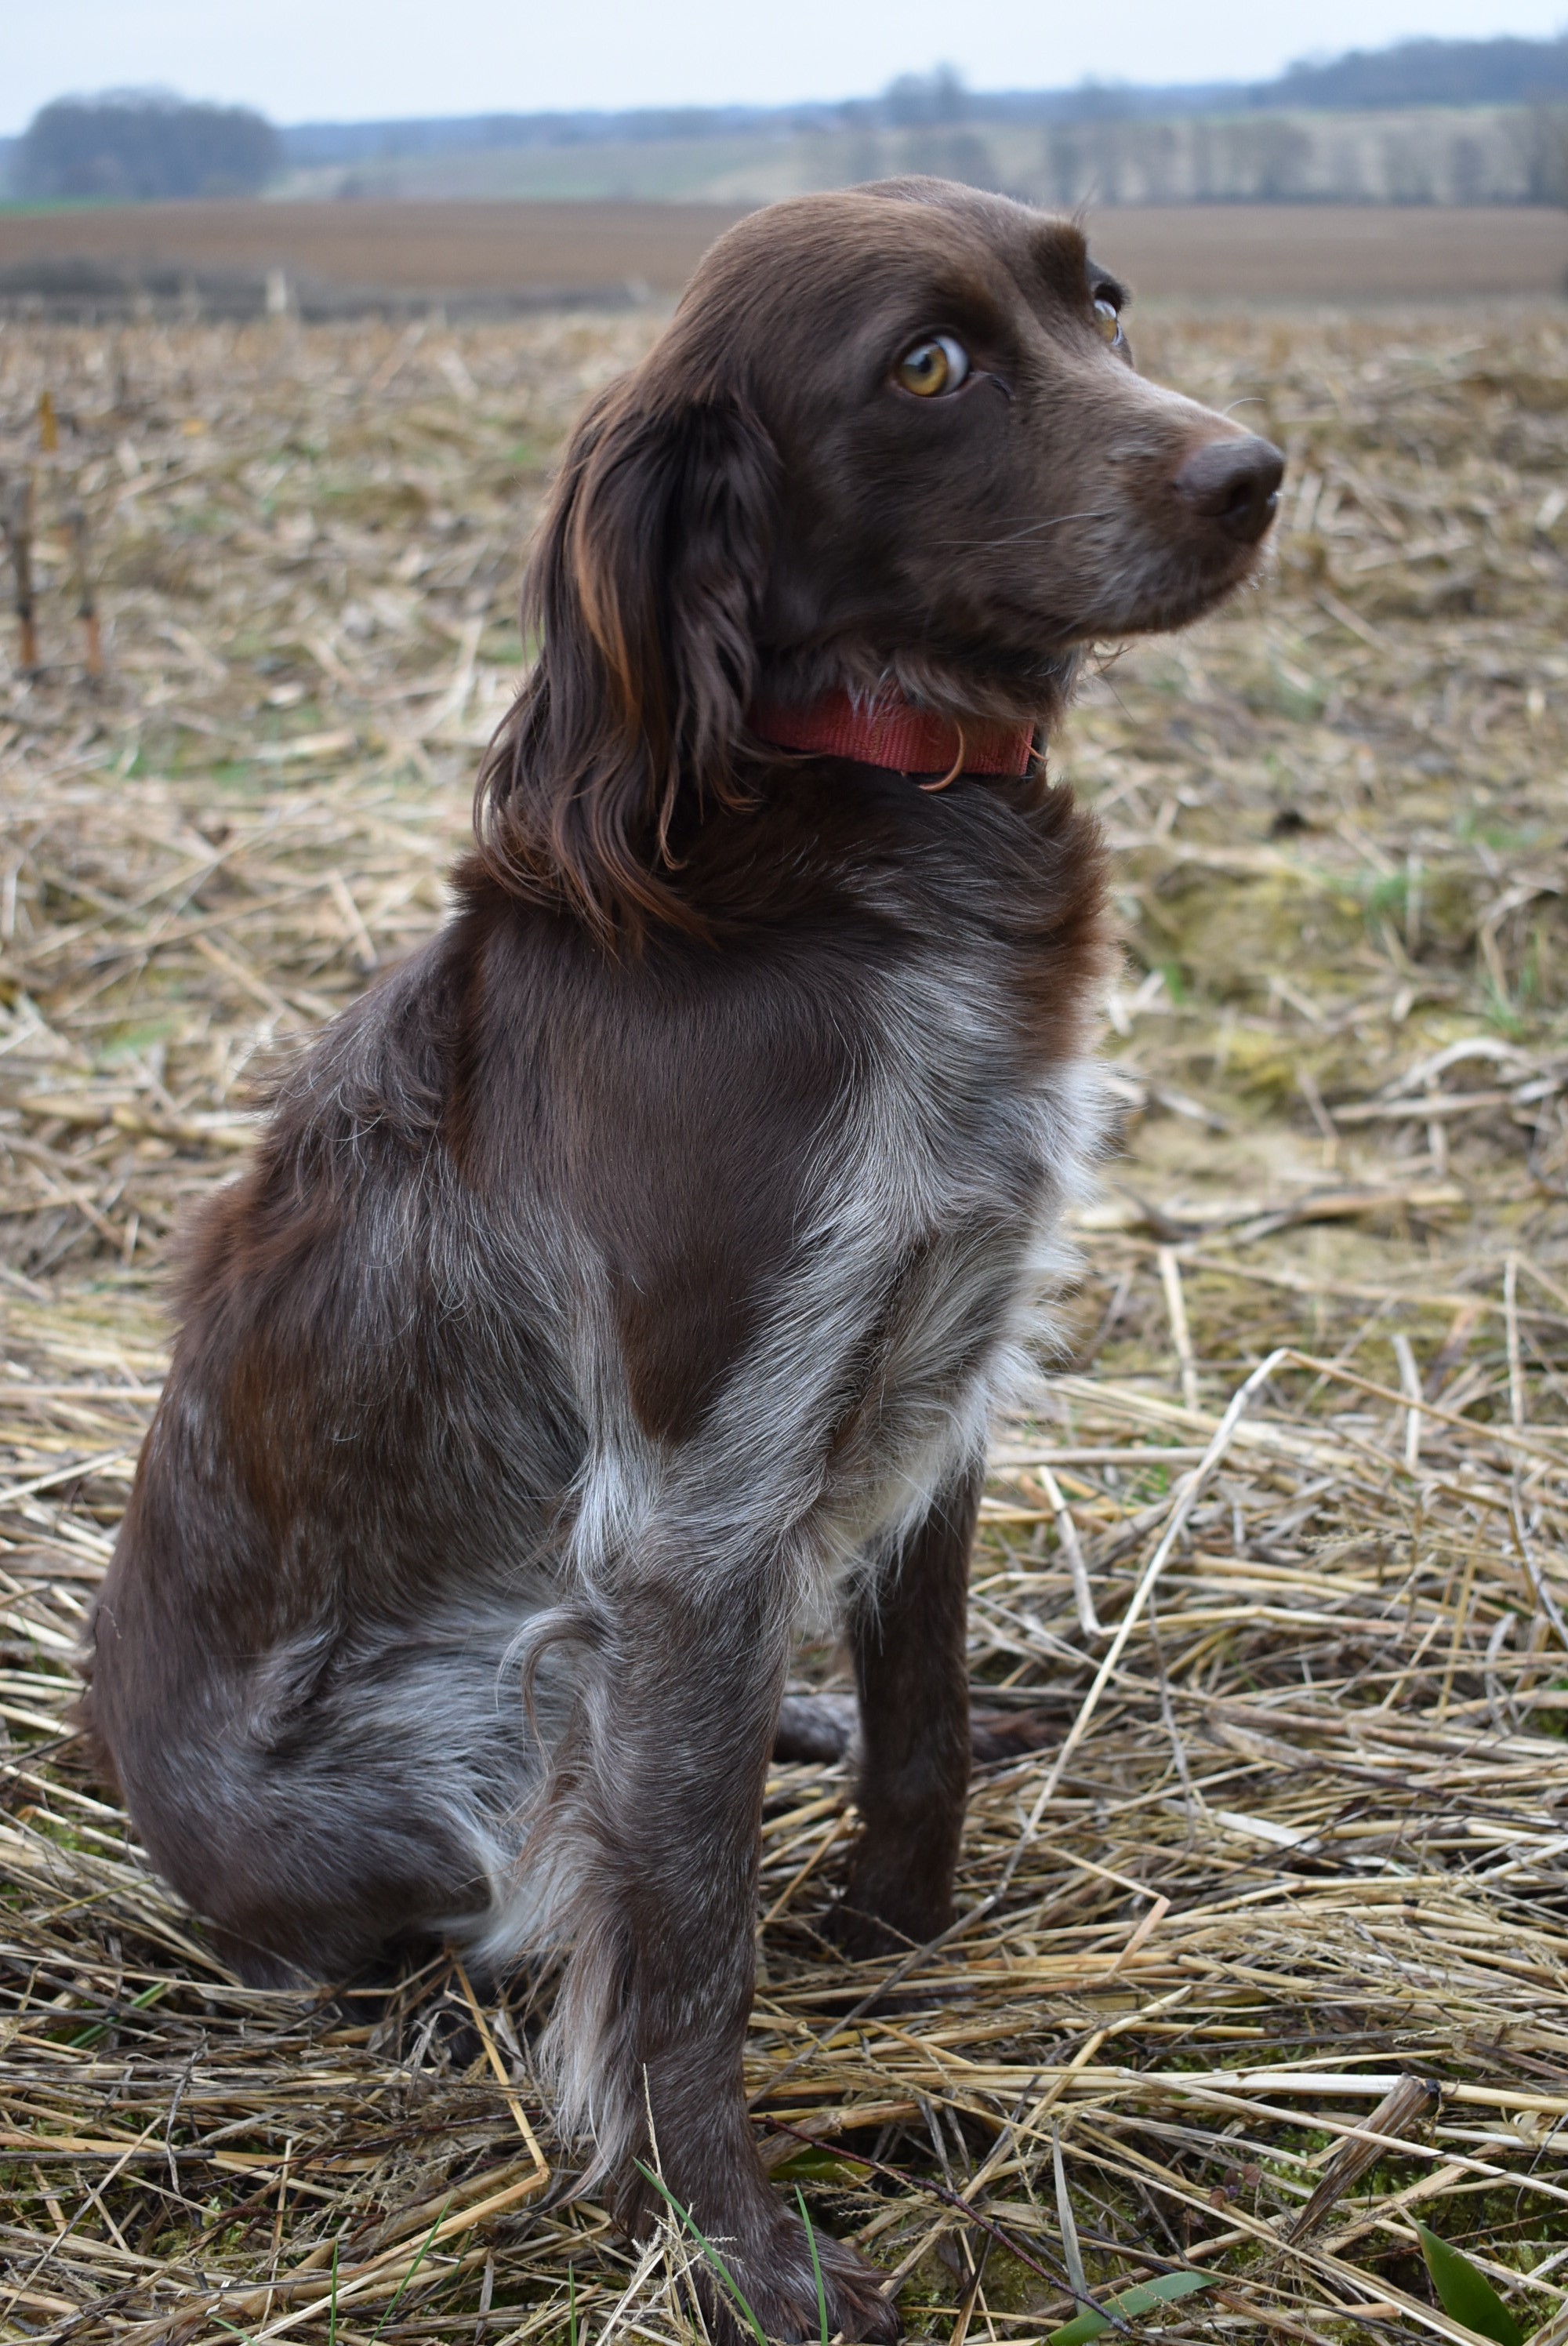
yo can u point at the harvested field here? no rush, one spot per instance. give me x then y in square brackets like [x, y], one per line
[355, 256]
[1336, 252]
[1279, 1551]
[350, 257]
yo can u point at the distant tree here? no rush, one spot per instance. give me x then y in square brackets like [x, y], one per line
[1545, 131]
[922, 101]
[1101, 101]
[950, 155]
[1281, 161]
[143, 144]
[1408, 175]
[1507, 71]
[1467, 171]
[1066, 164]
[1159, 152]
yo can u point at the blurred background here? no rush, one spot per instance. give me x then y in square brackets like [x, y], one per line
[1425, 166]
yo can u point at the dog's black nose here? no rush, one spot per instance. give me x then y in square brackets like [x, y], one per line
[1235, 482]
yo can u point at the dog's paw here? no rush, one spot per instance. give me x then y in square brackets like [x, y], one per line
[780, 2288]
[767, 2262]
[1010, 1734]
[876, 1917]
[815, 1727]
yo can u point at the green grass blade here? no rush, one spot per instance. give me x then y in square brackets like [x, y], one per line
[819, 2166]
[570, 2305]
[1129, 2303]
[1465, 2292]
[816, 2262]
[407, 2280]
[1071, 2255]
[150, 1996]
[708, 2250]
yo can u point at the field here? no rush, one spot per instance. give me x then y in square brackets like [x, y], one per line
[349, 254]
[334, 257]
[1277, 1549]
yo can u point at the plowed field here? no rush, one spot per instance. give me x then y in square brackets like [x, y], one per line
[352, 253]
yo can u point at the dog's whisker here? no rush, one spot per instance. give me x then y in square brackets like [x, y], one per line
[1030, 529]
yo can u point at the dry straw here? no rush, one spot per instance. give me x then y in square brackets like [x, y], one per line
[1297, 1834]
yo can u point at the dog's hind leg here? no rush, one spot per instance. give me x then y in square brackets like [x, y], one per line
[819, 1727]
[323, 1818]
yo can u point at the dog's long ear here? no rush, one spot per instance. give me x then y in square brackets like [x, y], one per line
[642, 595]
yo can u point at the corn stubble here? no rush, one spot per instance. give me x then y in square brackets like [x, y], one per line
[1310, 1841]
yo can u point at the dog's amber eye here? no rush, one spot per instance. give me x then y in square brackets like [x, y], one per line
[1108, 322]
[933, 367]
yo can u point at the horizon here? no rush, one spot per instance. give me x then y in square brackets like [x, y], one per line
[353, 67]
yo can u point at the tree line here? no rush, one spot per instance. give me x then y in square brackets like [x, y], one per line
[143, 144]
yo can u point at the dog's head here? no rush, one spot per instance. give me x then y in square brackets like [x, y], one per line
[891, 439]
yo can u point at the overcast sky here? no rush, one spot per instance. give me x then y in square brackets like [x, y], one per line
[345, 60]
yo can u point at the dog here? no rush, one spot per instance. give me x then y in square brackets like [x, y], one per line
[632, 1275]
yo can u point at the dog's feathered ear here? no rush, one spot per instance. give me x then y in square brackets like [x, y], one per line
[642, 595]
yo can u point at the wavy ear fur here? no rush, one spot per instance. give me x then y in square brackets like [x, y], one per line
[641, 593]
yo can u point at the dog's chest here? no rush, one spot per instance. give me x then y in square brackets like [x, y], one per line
[821, 1175]
[957, 1163]
[968, 1140]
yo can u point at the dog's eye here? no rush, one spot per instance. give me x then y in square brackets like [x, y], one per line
[933, 367]
[1107, 321]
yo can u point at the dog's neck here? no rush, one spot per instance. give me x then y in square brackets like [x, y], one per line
[892, 732]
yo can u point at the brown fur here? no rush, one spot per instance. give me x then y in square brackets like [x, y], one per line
[633, 1271]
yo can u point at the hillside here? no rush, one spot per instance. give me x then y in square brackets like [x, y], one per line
[1507, 155]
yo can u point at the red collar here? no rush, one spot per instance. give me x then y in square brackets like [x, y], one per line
[892, 734]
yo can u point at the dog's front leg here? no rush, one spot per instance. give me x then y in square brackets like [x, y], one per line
[652, 2021]
[908, 1638]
